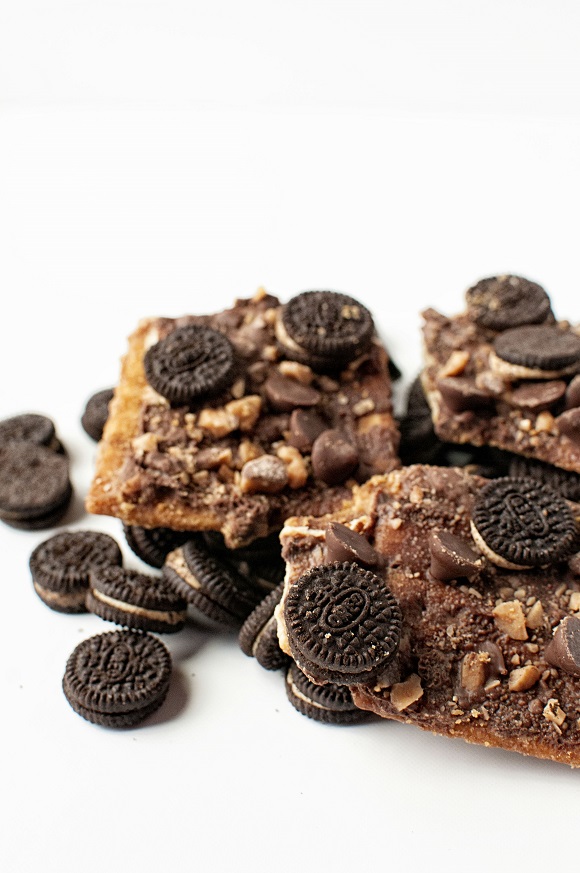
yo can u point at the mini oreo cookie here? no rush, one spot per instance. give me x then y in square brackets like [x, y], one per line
[258, 636]
[153, 545]
[502, 302]
[96, 413]
[543, 347]
[343, 624]
[60, 566]
[135, 600]
[35, 488]
[191, 362]
[324, 328]
[565, 482]
[117, 679]
[212, 587]
[520, 523]
[30, 427]
[329, 704]
[419, 442]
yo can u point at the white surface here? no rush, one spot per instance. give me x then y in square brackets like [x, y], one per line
[160, 158]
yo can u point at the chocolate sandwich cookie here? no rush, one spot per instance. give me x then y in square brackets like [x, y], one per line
[325, 329]
[502, 302]
[342, 624]
[96, 413]
[192, 361]
[330, 703]
[153, 545]
[135, 600]
[30, 427]
[35, 488]
[60, 566]
[214, 589]
[545, 348]
[117, 679]
[258, 636]
[260, 562]
[520, 523]
[564, 482]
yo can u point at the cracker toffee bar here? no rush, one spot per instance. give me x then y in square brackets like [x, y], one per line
[490, 646]
[505, 373]
[278, 422]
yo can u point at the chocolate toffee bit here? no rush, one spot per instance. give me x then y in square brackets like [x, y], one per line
[285, 394]
[135, 600]
[334, 458]
[461, 394]
[564, 482]
[329, 704]
[60, 566]
[305, 426]
[117, 679]
[231, 462]
[96, 413]
[545, 347]
[191, 362]
[325, 327]
[452, 557]
[153, 545]
[342, 624]
[344, 544]
[526, 371]
[564, 649]
[462, 667]
[502, 302]
[519, 523]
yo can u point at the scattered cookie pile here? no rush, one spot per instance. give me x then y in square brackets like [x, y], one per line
[444, 593]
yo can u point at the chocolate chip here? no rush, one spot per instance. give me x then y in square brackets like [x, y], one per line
[573, 393]
[451, 557]
[568, 424]
[333, 457]
[266, 474]
[285, 394]
[344, 544]
[502, 302]
[496, 664]
[564, 649]
[522, 523]
[461, 394]
[325, 327]
[191, 362]
[305, 426]
[541, 346]
[537, 396]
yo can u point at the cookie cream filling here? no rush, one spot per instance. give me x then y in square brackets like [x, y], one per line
[156, 614]
[297, 693]
[71, 600]
[176, 561]
[493, 556]
[513, 372]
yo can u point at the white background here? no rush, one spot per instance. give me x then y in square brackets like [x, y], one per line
[165, 157]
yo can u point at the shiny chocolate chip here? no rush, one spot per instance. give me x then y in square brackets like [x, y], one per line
[568, 424]
[537, 396]
[305, 426]
[285, 394]
[333, 457]
[451, 557]
[564, 649]
[344, 544]
[573, 393]
[460, 394]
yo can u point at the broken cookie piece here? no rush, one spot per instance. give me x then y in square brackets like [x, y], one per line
[494, 656]
[504, 373]
[226, 422]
